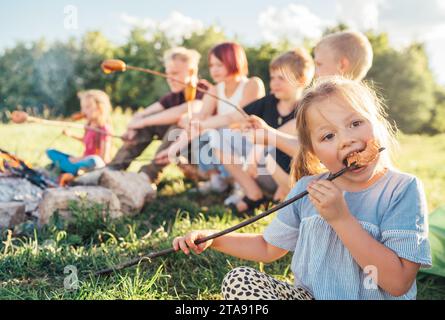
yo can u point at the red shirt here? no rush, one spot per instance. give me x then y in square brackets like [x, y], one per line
[93, 139]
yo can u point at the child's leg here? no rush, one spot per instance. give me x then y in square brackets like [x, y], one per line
[247, 183]
[281, 177]
[62, 161]
[90, 163]
[245, 283]
[153, 169]
[130, 150]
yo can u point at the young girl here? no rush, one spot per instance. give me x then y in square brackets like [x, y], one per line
[228, 68]
[96, 107]
[362, 236]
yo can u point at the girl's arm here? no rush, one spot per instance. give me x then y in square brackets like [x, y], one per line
[105, 150]
[208, 105]
[283, 138]
[245, 246]
[68, 134]
[254, 90]
[221, 121]
[395, 275]
[153, 108]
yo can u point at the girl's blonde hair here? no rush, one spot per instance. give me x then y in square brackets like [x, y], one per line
[103, 104]
[296, 65]
[358, 96]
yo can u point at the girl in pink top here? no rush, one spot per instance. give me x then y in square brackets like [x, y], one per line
[96, 107]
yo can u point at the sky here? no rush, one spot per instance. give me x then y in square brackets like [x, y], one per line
[252, 21]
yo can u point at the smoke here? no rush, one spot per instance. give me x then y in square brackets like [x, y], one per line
[54, 78]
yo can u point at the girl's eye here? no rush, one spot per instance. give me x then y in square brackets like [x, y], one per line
[329, 136]
[356, 123]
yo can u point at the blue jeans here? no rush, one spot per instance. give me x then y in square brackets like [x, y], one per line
[226, 140]
[62, 161]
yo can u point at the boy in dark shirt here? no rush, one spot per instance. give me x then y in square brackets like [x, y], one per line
[158, 119]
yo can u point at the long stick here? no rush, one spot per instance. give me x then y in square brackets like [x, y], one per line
[66, 124]
[113, 65]
[157, 73]
[226, 231]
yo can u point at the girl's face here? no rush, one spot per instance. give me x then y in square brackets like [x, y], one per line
[281, 88]
[89, 108]
[218, 70]
[337, 130]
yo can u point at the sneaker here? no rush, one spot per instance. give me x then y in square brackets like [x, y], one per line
[215, 184]
[236, 196]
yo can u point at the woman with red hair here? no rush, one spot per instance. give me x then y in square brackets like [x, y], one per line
[229, 69]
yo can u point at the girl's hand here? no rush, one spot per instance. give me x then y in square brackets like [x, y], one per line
[187, 242]
[66, 133]
[205, 85]
[260, 130]
[162, 158]
[258, 123]
[329, 200]
[129, 135]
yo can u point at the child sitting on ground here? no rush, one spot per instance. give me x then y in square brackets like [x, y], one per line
[96, 108]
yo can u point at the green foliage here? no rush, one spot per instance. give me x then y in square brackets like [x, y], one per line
[437, 123]
[44, 79]
[405, 81]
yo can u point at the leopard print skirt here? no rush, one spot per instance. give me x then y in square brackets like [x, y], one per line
[245, 283]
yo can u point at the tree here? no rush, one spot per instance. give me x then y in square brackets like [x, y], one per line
[437, 122]
[17, 74]
[134, 88]
[405, 81]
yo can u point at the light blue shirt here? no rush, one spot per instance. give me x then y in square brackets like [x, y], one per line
[393, 211]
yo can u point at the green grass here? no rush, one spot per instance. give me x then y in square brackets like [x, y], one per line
[32, 262]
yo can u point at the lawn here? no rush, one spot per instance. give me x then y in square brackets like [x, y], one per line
[32, 262]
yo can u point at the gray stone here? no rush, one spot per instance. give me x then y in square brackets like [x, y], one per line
[89, 178]
[20, 190]
[132, 189]
[11, 214]
[59, 199]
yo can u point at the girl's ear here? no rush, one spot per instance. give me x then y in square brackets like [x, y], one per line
[344, 65]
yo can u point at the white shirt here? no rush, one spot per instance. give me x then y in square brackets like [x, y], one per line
[222, 106]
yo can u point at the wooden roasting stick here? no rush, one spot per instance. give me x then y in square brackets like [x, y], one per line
[114, 65]
[355, 161]
[19, 117]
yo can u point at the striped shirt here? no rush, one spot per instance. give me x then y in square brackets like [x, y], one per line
[393, 211]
